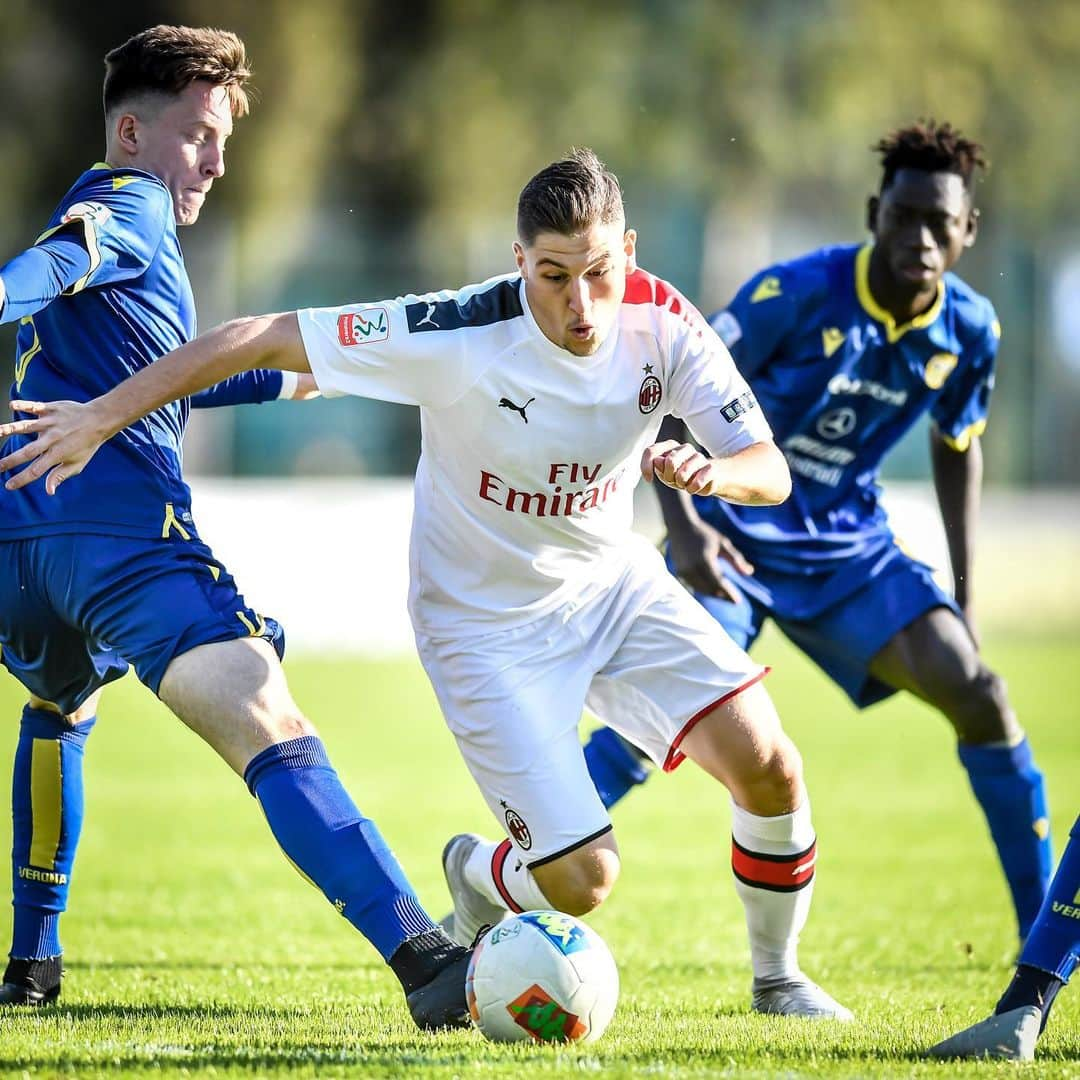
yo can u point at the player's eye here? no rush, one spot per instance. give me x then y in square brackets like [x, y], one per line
[599, 272]
[558, 278]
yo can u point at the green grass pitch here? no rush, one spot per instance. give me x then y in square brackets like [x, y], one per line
[193, 948]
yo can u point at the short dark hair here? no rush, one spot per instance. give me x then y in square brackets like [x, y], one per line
[167, 59]
[930, 147]
[568, 197]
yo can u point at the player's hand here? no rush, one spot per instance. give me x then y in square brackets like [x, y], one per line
[696, 553]
[681, 466]
[66, 436]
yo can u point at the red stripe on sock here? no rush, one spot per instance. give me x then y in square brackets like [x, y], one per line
[774, 871]
[498, 861]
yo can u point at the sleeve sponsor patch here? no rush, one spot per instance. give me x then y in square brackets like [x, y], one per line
[738, 406]
[727, 326]
[363, 327]
[97, 213]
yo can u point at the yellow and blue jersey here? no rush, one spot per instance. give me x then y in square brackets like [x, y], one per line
[124, 300]
[840, 383]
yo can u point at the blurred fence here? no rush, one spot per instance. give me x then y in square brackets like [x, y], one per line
[328, 558]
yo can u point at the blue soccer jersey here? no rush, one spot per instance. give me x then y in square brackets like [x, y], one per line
[132, 305]
[840, 383]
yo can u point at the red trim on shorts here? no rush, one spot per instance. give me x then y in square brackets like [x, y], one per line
[498, 860]
[674, 757]
[778, 873]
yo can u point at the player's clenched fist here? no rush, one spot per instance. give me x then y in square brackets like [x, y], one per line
[680, 465]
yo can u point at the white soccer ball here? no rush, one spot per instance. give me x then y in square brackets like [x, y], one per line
[542, 975]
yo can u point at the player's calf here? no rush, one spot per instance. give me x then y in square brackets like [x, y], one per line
[487, 879]
[581, 880]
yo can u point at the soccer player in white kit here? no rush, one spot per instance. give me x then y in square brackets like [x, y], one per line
[541, 394]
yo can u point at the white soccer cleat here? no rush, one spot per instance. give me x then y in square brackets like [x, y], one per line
[796, 997]
[471, 908]
[1011, 1035]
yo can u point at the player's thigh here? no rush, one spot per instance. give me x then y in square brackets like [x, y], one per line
[513, 702]
[62, 668]
[234, 695]
[673, 666]
[174, 612]
[936, 659]
[884, 597]
[153, 600]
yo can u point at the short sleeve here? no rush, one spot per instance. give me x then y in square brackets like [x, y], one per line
[961, 409]
[756, 322]
[709, 393]
[122, 221]
[415, 350]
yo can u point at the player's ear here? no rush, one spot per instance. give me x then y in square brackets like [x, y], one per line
[630, 247]
[972, 228]
[872, 206]
[126, 132]
[519, 257]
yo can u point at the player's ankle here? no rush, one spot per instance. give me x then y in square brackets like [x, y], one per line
[417, 960]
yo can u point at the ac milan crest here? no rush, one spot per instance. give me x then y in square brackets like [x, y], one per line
[650, 394]
[518, 829]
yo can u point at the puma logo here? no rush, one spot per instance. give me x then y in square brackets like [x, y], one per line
[506, 403]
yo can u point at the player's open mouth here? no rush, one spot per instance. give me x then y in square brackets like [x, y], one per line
[583, 332]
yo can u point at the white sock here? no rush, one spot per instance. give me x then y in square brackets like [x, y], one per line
[773, 862]
[497, 871]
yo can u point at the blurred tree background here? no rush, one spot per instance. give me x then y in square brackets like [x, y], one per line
[390, 141]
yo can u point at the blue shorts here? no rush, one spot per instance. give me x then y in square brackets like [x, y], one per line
[880, 597]
[76, 610]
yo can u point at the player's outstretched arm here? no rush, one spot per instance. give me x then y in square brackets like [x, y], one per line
[68, 434]
[757, 475]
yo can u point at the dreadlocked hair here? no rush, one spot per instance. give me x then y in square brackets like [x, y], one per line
[930, 147]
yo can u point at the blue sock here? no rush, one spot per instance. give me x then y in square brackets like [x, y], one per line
[333, 845]
[47, 815]
[1054, 942]
[614, 766]
[1010, 790]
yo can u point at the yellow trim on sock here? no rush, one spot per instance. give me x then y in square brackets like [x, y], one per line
[46, 783]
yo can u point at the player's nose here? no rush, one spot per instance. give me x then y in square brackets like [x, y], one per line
[213, 163]
[579, 297]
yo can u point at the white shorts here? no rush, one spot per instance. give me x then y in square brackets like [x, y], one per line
[644, 656]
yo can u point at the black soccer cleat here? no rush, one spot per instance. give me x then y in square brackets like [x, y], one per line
[440, 1002]
[31, 982]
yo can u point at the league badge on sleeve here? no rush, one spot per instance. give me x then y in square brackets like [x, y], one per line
[363, 327]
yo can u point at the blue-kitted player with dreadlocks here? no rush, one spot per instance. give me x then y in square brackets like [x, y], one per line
[845, 348]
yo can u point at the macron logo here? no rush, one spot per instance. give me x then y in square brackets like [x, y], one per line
[363, 327]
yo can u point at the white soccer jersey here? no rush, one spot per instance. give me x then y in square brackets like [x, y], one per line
[530, 455]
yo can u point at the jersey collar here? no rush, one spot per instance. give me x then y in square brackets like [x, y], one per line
[876, 311]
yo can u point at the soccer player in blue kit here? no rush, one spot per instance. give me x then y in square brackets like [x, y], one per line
[844, 349]
[1048, 958]
[113, 573]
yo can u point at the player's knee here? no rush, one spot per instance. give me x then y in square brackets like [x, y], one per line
[581, 881]
[279, 717]
[775, 784]
[984, 715]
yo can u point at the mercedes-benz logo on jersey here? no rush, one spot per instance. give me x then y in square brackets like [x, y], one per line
[837, 423]
[506, 403]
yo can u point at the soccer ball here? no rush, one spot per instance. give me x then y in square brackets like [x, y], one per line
[542, 975]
